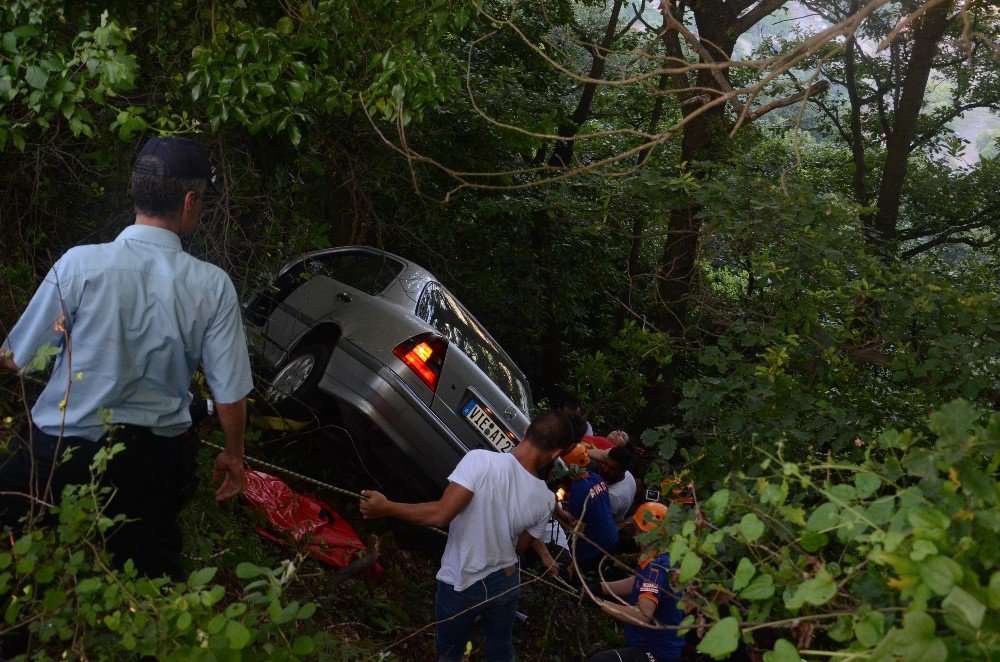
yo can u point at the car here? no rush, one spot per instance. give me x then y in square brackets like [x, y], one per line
[409, 367]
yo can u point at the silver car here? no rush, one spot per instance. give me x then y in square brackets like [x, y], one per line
[395, 349]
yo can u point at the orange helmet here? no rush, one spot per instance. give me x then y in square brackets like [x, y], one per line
[650, 515]
[578, 456]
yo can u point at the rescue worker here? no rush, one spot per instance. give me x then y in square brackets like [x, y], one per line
[588, 501]
[651, 601]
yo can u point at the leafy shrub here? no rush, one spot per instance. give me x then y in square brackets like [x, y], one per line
[57, 582]
[890, 558]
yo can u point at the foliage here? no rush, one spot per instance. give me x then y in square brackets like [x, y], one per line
[57, 582]
[50, 72]
[891, 557]
[613, 381]
[790, 342]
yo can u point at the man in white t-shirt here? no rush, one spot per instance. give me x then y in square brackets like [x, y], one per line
[621, 482]
[496, 507]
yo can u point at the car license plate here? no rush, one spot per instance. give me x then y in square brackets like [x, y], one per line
[486, 426]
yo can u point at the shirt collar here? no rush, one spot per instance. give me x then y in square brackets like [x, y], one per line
[151, 234]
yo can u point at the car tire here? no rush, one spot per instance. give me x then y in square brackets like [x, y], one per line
[291, 392]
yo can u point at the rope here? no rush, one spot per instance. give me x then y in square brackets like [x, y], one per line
[563, 586]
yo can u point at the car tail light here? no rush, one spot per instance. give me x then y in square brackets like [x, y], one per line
[424, 354]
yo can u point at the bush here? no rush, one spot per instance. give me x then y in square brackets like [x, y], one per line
[890, 558]
[57, 582]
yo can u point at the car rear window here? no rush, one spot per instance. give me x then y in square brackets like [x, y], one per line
[441, 310]
[363, 271]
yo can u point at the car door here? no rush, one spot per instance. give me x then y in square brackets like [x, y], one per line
[316, 288]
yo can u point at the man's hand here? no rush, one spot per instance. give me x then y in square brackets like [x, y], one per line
[374, 504]
[438, 513]
[230, 471]
[552, 567]
[7, 361]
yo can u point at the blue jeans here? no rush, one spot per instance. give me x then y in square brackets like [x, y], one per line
[495, 599]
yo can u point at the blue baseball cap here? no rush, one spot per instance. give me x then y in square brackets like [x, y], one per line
[180, 157]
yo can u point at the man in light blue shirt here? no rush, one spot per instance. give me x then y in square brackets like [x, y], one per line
[128, 323]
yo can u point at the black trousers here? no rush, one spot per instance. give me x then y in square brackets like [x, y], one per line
[153, 477]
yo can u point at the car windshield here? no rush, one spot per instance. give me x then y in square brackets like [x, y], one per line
[441, 310]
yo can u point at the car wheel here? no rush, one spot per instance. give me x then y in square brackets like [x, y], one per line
[292, 391]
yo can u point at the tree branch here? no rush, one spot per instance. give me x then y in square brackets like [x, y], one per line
[763, 9]
[949, 116]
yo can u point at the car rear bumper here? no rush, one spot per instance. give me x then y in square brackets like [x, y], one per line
[362, 382]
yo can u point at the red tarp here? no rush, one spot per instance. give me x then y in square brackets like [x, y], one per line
[318, 529]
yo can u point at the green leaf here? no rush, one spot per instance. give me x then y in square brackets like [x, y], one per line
[42, 355]
[201, 577]
[717, 504]
[940, 573]
[237, 634]
[36, 77]
[824, 518]
[922, 549]
[812, 541]
[306, 611]
[816, 591]
[303, 645]
[870, 629]
[751, 527]
[866, 484]
[993, 592]
[183, 621]
[246, 570]
[953, 421]
[22, 545]
[760, 587]
[929, 523]
[744, 573]
[689, 567]
[295, 90]
[963, 603]
[784, 651]
[722, 639]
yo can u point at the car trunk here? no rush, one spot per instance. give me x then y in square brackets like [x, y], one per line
[482, 415]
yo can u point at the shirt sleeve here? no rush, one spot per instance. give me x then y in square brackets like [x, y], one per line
[224, 355]
[45, 320]
[469, 472]
[653, 582]
[539, 529]
[578, 491]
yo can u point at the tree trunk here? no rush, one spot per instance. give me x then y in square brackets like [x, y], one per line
[562, 155]
[704, 136]
[857, 137]
[627, 308]
[929, 31]
[703, 139]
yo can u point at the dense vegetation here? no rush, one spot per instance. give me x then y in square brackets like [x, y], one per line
[755, 241]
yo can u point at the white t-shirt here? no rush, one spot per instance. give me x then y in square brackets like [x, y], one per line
[507, 500]
[621, 494]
